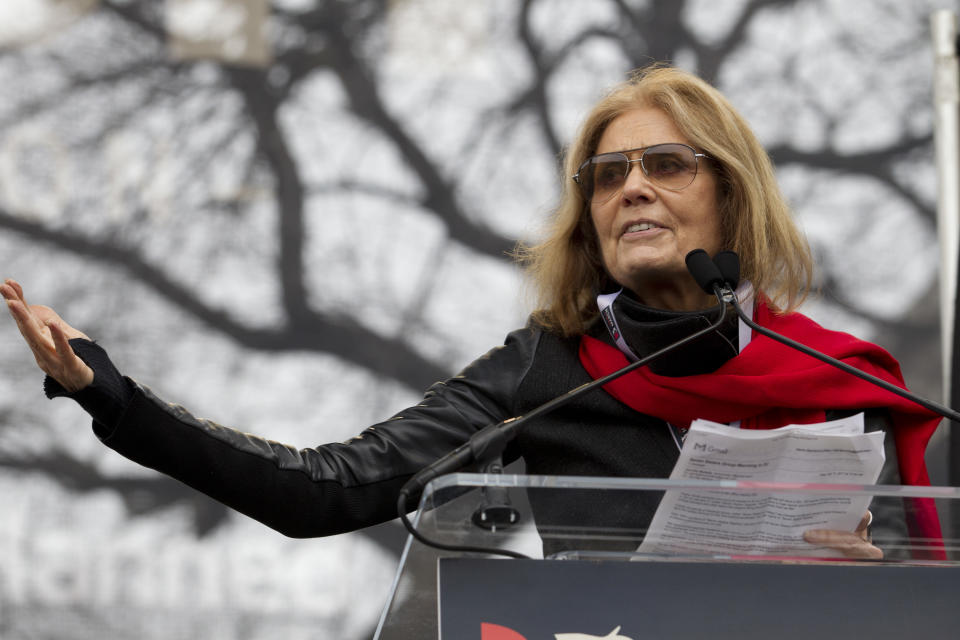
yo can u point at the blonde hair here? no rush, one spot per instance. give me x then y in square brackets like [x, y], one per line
[566, 269]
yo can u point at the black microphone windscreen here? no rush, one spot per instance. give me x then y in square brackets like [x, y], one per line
[703, 270]
[729, 264]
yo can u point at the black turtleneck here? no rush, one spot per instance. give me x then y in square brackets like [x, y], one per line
[647, 329]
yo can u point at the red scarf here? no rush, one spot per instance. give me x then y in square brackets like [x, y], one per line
[770, 385]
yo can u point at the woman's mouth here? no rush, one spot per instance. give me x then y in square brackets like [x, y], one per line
[637, 227]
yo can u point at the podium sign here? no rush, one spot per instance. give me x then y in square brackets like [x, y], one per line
[527, 599]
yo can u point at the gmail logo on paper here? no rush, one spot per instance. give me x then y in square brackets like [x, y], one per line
[490, 631]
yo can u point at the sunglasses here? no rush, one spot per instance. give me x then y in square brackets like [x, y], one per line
[671, 165]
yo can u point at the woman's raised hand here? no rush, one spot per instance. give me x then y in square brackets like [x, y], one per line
[48, 337]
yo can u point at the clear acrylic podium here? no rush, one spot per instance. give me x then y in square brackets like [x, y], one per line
[583, 537]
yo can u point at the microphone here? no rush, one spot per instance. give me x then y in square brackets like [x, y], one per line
[727, 265]
[705, 271]
[487, 445]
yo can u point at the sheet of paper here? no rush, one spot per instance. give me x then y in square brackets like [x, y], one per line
[737, 522]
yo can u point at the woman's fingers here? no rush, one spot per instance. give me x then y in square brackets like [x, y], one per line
[48, 337]
[849, 543]
[17, 289]
[60, 341]
[863, 527]
[31, 328]
[75, 373]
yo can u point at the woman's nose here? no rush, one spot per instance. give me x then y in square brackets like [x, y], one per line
[636, 185]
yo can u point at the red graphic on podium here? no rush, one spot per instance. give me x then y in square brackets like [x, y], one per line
[490, 631]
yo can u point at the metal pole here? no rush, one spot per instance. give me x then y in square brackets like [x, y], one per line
[946, 94]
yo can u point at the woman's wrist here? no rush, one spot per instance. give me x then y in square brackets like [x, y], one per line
[109, 392]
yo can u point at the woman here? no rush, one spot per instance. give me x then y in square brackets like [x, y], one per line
[663, 165]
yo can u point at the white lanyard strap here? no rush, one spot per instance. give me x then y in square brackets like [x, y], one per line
[605, 303]
[744, 295]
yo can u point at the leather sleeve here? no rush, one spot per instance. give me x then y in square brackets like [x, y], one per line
[331, 488]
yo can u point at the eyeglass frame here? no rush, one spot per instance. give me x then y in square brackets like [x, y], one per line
[630, 161]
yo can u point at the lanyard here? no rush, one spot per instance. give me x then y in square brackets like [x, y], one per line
[605, 303]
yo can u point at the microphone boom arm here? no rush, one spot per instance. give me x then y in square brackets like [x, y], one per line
[892, 388]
